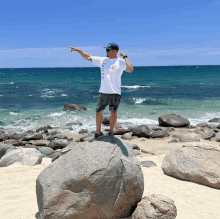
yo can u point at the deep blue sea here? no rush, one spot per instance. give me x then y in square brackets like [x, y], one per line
[33, 97]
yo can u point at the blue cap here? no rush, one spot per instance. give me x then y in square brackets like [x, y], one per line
[112, 46]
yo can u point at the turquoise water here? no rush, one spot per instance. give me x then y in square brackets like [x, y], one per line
[33, 97]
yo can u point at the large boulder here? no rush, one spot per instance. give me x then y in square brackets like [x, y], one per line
[188, 137]
[141, 131]
[93, 180]
[195, 162]
[214, 120]
[160, 134]
[173, 120]
[26, 156]
[205, 132]
[155, 206]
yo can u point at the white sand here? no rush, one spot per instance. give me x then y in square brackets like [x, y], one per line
[193, 201]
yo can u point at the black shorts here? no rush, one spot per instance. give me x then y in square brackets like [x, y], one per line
[112, 100]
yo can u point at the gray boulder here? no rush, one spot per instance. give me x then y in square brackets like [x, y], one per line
[195, 162]
[173, 120]
[214, 120]
[205, 132]
[95, 180]
[4, 148]
[160, 134]
[58, 144]
[188, 137]
[155, 206]
[73, 107]
[46, 151]
[141, 131]
[26, 156]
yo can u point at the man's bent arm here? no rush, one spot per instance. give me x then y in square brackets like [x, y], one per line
[129, 66]
[86, 56]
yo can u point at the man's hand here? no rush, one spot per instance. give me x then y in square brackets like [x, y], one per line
[121, 53]
[74, 49]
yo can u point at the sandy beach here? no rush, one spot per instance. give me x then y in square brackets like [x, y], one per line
[193, 201]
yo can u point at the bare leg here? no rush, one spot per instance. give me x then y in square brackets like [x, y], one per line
[113, 120]
[98, 121]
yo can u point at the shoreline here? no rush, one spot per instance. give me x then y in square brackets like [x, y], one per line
[192, 200]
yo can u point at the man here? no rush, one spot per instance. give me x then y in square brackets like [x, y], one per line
[110, 90]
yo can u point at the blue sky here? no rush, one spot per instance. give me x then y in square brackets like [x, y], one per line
[151, 33]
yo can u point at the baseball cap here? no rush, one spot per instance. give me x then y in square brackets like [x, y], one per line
[112, 46]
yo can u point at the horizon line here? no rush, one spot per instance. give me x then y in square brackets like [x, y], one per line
[98, 67]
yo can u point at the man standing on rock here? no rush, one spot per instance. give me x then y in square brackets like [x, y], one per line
[112, 68]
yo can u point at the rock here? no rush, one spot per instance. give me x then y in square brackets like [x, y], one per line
[4, 148]
[32, 137]
[39, 142]
[160, 134]
[83, 131]
[205, 132]
[203, 124]
[55, 132]
[3, 137]
[214, 120]
[31, 146]
[106, 121]
[173, 141]
[147, 163]
[156, 128]
[173, 120]
[58, 144]
[195, 162]
[44, 129]
[26, 156]
[218, 126]
[216, 138]
[73, 107]
[136, 152]
[141, 131]
[155, 206]
[95, 180]
[90, 137]
[134, 146]
[127, 136]
[49, 138]
[74, 123]
[47, 151]
[191, 127]
[119, 131]
[188, 137]
[29, 132]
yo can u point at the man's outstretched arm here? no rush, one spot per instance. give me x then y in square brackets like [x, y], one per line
[86, 56]
[129, 66]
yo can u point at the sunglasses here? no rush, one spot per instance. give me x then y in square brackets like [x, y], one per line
[107, 50]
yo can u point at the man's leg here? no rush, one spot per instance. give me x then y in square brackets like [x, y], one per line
[113, 120]
[98, 121]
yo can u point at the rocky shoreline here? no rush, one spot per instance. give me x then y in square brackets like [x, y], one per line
[48, 142]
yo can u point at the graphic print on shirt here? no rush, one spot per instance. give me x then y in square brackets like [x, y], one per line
[103, 69]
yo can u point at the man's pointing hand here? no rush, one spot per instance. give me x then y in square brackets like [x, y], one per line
[74, 49]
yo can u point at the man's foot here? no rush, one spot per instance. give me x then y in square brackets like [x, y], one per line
[111, 136]
[97, 136]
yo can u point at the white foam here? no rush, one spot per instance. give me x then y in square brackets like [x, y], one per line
[14, 114]
[11, 83]
[56, 114]
[64, 95]
[136, 86]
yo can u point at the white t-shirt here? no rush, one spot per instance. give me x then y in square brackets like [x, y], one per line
[111, 72]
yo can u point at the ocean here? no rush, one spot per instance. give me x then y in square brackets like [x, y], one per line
[34, 97]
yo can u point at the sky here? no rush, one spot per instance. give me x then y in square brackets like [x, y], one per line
[150, 33]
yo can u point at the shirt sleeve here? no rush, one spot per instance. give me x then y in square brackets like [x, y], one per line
[123, 64]
[97, 60]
